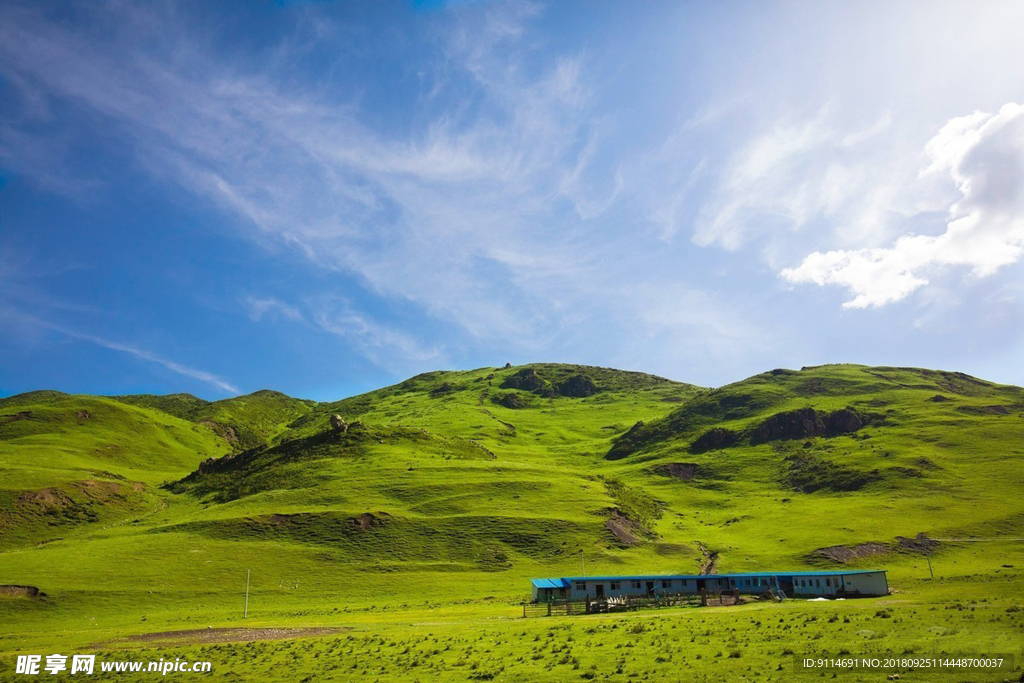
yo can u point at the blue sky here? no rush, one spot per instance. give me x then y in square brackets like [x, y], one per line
[323, 198]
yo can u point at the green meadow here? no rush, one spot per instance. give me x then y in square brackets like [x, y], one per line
[414, 529]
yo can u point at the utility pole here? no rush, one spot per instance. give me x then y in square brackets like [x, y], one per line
[583, 562]
[245, 615]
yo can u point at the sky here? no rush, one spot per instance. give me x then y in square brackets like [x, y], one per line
[325, 198]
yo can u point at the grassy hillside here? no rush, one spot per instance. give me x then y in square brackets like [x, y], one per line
[441, 496]
[243, 421]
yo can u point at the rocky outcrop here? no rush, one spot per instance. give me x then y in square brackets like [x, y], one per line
[714, 439]
[805, 423]
[843, 421]
[577, 386]
[526, 379]
[339, 424]
[793, 424]
[15, 591]
[678, 470]
[512, 400]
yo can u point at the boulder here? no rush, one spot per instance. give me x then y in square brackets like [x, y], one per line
[338, 424]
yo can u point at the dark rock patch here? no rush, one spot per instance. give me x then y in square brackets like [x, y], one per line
[851, 553]
[807, 422]
[368, 520]
[577, 386]
[808, 473]
[984, 410]
[15, 591]
[441, 390]
[226, 432]
[626, 531]
[939, 398]
[843, 421]
[714, 439]
[919, 544]
[678, 470]
[793, 424]
[845, 554]
[511, 400]
[526, 379]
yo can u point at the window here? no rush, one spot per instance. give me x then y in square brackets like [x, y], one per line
[818, 582]
[748, 582]
[581, 585]
[666, 584]
[616, 585]
[732, 582]
[828, 582]
[636, 584]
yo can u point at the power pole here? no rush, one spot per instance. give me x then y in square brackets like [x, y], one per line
[583, 561]
[245, 615]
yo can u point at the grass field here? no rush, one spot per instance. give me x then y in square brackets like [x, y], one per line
[417, 529]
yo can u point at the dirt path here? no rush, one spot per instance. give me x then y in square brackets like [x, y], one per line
[710, 563]
[228, 635]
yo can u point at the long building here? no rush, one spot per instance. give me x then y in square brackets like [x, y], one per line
[853, 583]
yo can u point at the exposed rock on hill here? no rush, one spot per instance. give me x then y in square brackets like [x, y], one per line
[511, 400]
[526, 379]
[794, 424]
[713, 439]
[804, 423]
[678, 470]
[577, 386]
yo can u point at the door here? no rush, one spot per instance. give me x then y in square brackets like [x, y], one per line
[599, 590]
[650, 588]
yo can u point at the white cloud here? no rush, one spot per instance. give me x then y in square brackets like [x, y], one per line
[984, 155]
[383, 345]
[795, 172]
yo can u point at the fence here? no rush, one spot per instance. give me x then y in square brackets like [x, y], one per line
[629, 603]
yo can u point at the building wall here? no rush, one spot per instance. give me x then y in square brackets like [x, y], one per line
[752, 584]
[817, 585]
[874, 583]
[580, 590]
[803, 586]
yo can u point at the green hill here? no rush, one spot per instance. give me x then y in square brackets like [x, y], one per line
[243, 421]
[450, 490]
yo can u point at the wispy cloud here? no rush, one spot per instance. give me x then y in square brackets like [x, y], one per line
[15, 316]
[271, 307]
[386, 346]
[415, 216]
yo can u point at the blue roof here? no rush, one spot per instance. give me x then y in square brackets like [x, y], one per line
[564, 581]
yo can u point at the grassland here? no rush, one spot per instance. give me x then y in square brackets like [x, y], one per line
[419, 527]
